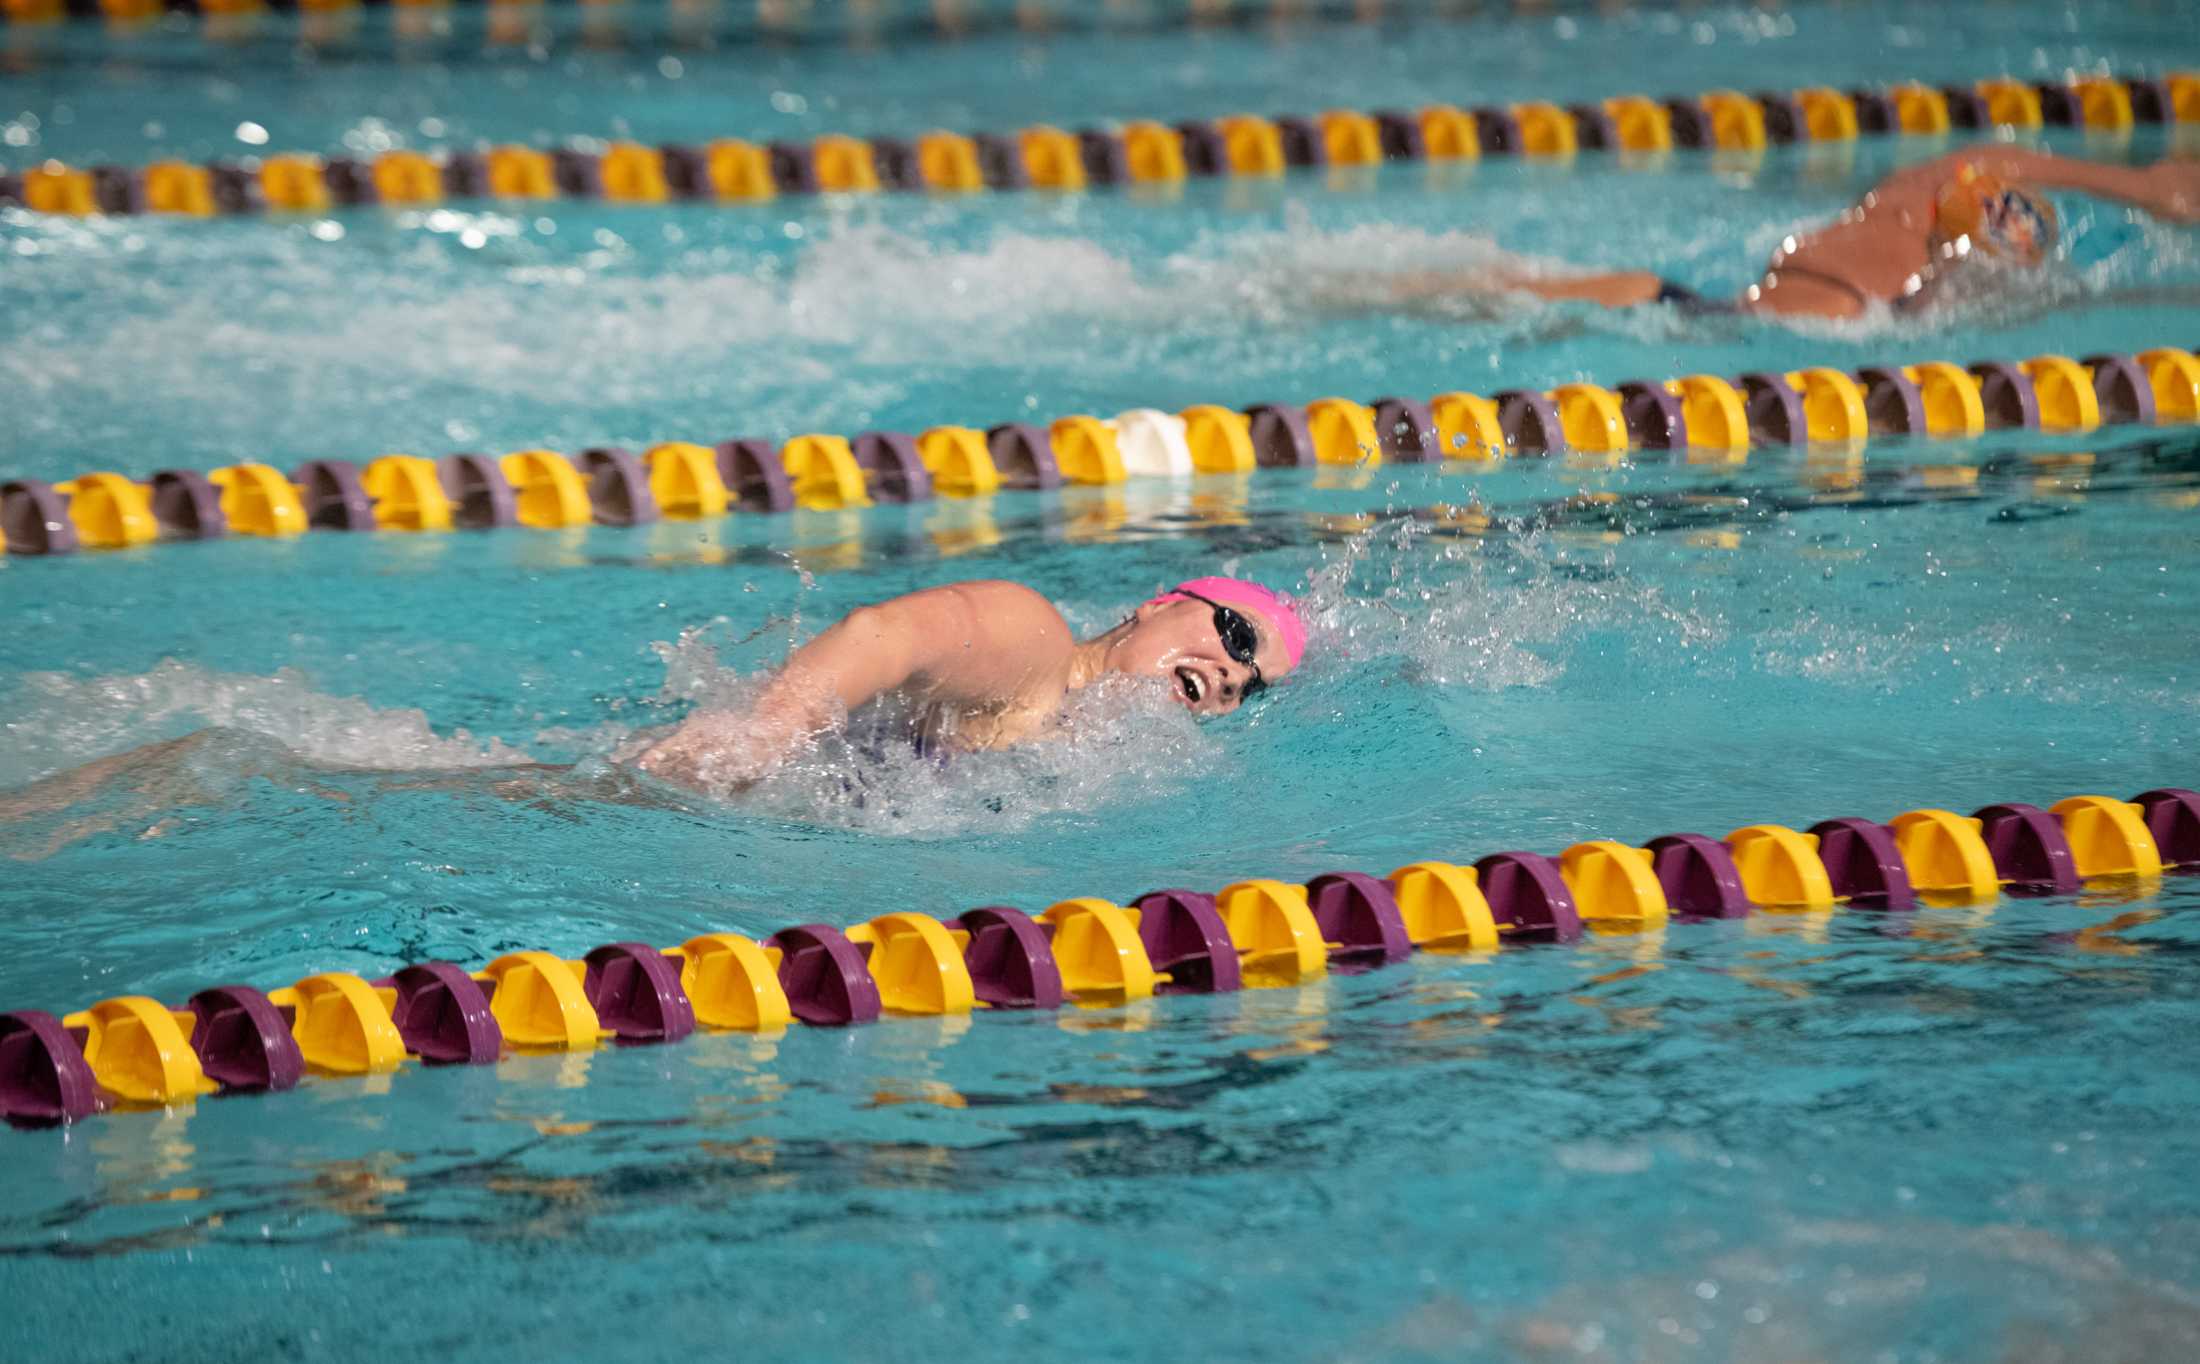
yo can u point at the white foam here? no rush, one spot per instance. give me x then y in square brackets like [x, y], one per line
[402, 329]
[409, 327]
[56, 721]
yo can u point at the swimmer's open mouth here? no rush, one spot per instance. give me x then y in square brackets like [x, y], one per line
[1194, 686]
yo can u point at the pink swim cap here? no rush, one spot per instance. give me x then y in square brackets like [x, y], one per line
[1290, 630]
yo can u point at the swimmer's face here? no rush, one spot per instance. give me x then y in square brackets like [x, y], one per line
[1177, 642]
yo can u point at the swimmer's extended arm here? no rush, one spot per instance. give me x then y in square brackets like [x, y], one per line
[975, 645]
[2169, 189]
[1404, 292]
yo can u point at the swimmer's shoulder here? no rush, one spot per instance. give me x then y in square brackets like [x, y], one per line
[994, 643]
[980, 600]
[997, 605]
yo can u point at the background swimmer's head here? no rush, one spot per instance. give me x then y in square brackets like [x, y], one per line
[1976, 211]
[1175, 637]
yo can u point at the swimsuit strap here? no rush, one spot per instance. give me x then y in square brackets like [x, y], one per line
[1864, 297]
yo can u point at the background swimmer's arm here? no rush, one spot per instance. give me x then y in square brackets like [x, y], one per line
[974, 646]
[2169, 189]
[1618, 289]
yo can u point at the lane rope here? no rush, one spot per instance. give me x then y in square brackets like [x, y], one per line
[131, 1051]
[1146, 153]
[1699, 418]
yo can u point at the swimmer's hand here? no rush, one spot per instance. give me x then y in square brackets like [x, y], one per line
[716, 751]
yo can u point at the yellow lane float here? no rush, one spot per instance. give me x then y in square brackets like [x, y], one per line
[1780, 867]
[342, 1024]
[1097, 947]
[1443, 907]
[733, 983]
[1277, 939]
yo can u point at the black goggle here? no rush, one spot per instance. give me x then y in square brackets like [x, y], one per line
[1240, 640]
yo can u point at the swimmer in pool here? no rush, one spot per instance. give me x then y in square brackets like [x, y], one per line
[987, 665]
[1906, 236]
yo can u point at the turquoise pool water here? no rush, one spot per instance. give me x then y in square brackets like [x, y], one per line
[1954, 1134]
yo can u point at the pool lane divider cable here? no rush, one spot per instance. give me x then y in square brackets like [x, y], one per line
[132, 1051]
[1141, 152]
[1700, 418]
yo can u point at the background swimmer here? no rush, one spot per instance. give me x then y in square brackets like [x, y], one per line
[985, 665]
[1893, 247]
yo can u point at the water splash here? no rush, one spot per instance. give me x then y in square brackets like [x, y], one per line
[1484, 615]
[56, 721]
[1119, 741]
